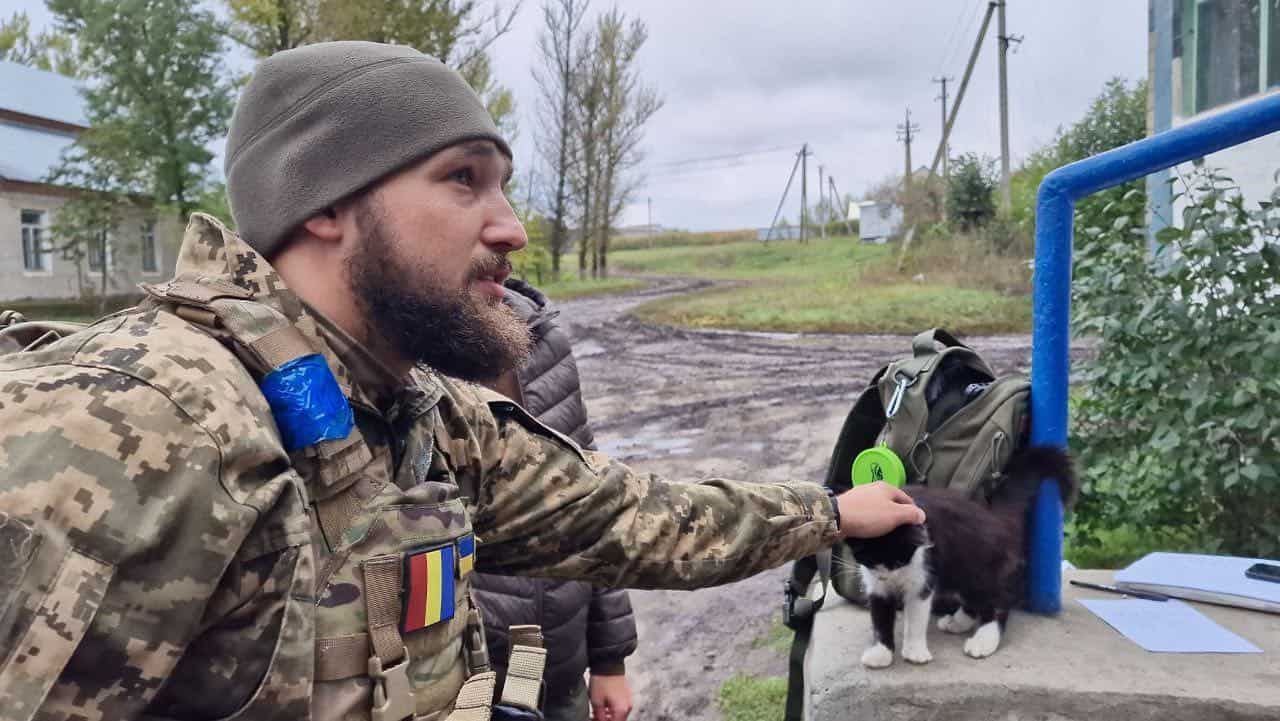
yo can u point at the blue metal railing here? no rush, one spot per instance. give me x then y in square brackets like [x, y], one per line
[1050, 362]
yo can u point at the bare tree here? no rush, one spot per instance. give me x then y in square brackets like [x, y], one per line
[554, 136]
[587, 121]
[627, 106]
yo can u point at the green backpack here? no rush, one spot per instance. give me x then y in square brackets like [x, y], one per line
[953, 423]
[18, 334]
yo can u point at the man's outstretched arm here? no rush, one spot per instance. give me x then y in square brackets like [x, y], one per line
[544, 507]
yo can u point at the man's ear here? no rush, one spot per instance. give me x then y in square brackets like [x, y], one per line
[325, 225]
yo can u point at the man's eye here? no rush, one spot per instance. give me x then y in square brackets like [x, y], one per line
[463, 175]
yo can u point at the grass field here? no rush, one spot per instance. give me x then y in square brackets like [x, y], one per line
[746, 698]
[836, 285]
[571, 287]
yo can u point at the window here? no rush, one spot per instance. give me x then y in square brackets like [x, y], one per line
[1227, 47]
[1229, 50]
[150, 254]
[99, 252]
[35, 256]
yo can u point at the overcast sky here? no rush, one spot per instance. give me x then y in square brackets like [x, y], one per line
[746, 75]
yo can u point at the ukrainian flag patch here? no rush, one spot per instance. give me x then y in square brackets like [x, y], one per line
[428, 588]
[466, 555]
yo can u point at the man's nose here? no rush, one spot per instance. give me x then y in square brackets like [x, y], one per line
[504, 232]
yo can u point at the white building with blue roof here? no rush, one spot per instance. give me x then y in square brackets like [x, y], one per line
[41, 114]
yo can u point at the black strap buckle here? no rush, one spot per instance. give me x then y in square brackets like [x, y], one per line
[797, 610]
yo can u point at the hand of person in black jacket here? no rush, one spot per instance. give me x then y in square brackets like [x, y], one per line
[610, 697]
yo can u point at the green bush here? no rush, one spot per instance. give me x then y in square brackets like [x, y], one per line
[971, 188]
[1177, 425]
[1117, 116]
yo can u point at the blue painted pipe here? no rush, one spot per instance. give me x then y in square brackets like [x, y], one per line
[1050, 361]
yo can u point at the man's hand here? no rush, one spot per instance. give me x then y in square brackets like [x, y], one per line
[875, 509]
[610, 698]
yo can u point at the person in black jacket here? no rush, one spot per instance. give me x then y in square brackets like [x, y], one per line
[584, 627]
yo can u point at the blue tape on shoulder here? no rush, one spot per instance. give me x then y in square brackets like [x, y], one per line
[307, 403]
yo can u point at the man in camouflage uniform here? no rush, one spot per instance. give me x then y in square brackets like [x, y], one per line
[174, 543]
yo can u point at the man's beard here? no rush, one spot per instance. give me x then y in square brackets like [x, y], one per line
[408, 307]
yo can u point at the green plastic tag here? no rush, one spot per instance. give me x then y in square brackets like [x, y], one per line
[879, 464]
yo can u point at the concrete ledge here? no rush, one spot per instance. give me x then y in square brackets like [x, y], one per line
[1072, 667]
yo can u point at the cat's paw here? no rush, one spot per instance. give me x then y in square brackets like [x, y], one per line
[958, 622]
[984, 642]
[878, 656]
[916, 654]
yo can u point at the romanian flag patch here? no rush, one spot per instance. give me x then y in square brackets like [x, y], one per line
[466, 555]
[428, 588]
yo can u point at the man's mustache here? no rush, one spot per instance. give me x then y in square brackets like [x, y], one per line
[491, 265]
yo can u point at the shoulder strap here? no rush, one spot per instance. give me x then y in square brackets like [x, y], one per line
[859, 431]
[923, 344]
[798, 611]
[260, 336]
[264, 340]
[25, 335]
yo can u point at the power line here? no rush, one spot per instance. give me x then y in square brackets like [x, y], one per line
[725, 156]
[979, 9]
[699, 170]
[964, 83]
[959, 31]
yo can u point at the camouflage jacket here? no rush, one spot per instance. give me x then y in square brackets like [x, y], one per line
[162, 556]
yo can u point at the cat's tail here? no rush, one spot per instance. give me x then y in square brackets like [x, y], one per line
[1026, 468]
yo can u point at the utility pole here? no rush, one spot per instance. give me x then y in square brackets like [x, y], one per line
[804, 191]
[783, 200]
[943, 97]
[843, 211]
[964, 84]
[906, 131]
[650, 203]
[822, 214]
[1006, 200]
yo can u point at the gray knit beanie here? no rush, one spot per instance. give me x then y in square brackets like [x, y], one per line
[319, 122]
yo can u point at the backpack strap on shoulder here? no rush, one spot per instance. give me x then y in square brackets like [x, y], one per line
[262, 337]
[17, 334]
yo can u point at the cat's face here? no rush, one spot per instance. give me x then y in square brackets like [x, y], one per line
[890, 552]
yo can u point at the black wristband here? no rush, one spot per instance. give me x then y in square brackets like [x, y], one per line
[835, 505]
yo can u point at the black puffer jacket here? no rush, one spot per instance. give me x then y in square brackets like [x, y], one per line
[584, 627]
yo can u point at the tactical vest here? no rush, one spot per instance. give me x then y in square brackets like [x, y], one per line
[403, 551]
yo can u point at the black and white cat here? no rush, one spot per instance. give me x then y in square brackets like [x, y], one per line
[966, 564]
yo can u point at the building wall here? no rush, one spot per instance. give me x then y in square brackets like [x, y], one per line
[62, 280]
[1252, 165]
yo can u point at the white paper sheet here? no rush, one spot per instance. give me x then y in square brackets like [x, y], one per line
[1167, 626]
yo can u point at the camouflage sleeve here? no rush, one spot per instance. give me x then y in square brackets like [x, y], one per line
[544, 507]
[115, 527]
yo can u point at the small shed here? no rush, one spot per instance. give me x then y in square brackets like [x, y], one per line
[878, 221]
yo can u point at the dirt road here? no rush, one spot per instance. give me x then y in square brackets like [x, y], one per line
[700, 404]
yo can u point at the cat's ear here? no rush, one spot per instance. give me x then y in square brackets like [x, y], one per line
[917, 535]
